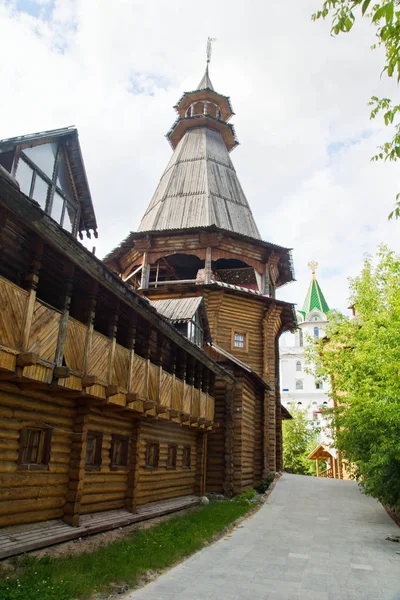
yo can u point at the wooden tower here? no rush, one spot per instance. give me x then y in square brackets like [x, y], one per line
[198, 237]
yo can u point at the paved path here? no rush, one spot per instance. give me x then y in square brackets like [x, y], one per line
[314, 539]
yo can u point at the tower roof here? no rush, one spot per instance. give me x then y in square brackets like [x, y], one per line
[205, 83]
[200, 188]
[315, 299]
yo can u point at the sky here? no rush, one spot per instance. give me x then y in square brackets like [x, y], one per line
[116, 69]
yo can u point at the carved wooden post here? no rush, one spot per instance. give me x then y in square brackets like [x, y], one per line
[229, 441]
[76, 471]
[145, 272]
[146, 355]
[31, 283]
[207, 265]
[112, 334]
[133, 467]
[68, 275]
[190, 377]
[131, 346]
[201, 462]
[91, 313]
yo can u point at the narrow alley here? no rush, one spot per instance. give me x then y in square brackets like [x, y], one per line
[314, 539]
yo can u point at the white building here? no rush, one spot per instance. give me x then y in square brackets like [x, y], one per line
[298, 388]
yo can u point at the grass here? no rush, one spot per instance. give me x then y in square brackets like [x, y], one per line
[123, 561]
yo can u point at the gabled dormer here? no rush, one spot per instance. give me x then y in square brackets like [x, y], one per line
[49, 169]
[188, 315]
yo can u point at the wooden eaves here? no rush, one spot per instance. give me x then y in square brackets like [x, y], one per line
[44, 226]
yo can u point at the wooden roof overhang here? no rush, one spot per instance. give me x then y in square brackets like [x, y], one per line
[320, 453]
[206, 94]
[118, 258]
[182, 125]
[31, 215]
[288, 315]
[220, 355]
[285, 414]
[177, 316]
[70, 136]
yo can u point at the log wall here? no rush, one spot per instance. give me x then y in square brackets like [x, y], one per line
[162, 483]
[106, 488]
[30, 496]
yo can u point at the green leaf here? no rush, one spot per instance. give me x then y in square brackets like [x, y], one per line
[364, 7]
[389, 13]
[379, 13]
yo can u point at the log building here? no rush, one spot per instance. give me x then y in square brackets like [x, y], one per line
[104, 404]
[198, 239]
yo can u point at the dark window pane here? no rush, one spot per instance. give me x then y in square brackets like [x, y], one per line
[69, 217]
[43, 156]
[40, 191]
[63, 178]
[171, 459]
[186, 456]
[24, 177]
[56, 209]
[34, 446]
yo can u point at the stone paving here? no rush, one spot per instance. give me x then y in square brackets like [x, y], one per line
[314, 539]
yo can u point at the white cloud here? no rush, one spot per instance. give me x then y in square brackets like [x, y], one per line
[115, 69]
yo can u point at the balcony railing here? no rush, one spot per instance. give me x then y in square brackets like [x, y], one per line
[94, 366]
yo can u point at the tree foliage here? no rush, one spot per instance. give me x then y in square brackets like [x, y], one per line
[362, 358]
[298, 441]
[384, 16]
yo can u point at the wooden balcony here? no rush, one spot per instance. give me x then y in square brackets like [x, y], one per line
[42, 347]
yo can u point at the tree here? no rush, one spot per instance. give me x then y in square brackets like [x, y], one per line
[385, 18]
[362, 358]
[298, 441]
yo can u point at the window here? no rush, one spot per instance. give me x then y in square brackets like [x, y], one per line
[316, 332]
[44, 175]
[299, 384]
[298, 365]
[325, 403]
[152, 454]
[186, 458]
[318, 385]
[301, 337]
[119, 451]
[239, 340]
[195, 331]
[93, 450]
[171, 457]
[34, 447]
[299, 404]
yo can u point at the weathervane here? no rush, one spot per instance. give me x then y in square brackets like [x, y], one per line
[209, 48]
[313, 266]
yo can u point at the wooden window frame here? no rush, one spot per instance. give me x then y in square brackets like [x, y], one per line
[245, 340]
[174, 449]
[97, 453]
[52, 183]
[43, 449]
[150, 443]
[189, 461]
[115, 437]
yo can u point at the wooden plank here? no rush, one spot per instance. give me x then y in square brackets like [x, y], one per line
[74, 348]
[13, 301]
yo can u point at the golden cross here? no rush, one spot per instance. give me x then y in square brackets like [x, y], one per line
[209, 47]
[313, 266]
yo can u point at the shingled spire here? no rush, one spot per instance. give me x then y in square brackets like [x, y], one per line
[315, 299]
[200, 187]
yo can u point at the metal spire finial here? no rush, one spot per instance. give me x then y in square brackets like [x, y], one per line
[313, 266]
[209, 48]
